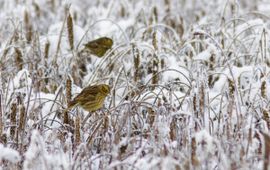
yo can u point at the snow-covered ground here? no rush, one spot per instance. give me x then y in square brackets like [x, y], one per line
[189, 84]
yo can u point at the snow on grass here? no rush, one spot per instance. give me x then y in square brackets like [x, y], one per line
[9, 154]
[189, 85]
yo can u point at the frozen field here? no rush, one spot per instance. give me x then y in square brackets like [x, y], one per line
[189, 84]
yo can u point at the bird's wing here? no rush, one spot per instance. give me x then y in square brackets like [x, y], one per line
[88, 93]
[92, 45]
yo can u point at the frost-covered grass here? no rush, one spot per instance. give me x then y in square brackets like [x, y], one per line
[189, 84]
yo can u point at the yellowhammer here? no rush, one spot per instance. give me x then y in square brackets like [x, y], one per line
[99, 46]
[91, 98]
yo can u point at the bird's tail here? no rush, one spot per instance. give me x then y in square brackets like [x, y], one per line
[71, 104]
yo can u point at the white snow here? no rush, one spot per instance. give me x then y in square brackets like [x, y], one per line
[9, 154]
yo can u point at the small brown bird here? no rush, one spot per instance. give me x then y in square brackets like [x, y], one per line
[99, 46]
[91, 98]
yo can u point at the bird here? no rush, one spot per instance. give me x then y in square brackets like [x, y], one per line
[91, 98]
[99, 46]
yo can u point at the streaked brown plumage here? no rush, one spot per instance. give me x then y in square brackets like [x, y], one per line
[99, 46]
[91, 98]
